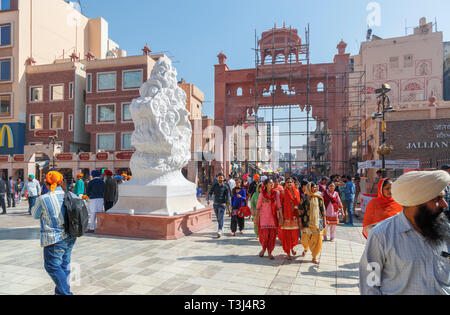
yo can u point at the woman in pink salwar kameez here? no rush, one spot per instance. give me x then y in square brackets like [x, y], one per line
[333, 205]
[268, 211]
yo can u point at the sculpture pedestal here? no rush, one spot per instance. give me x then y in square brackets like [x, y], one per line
[170, 195]
[153, 227]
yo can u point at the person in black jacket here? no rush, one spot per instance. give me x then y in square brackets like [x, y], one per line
[3, 192]
[13, 188]
[222, 194]
[111, 190]
[95, 191]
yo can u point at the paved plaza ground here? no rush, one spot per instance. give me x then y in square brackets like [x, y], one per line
[196, 265]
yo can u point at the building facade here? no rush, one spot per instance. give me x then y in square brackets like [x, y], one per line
[42, 38]
[412, 66]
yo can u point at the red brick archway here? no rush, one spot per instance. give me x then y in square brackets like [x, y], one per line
[239, 93]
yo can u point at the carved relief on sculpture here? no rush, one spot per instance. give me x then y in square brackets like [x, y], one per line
[380, 72]
[424, 67]
[163, 132]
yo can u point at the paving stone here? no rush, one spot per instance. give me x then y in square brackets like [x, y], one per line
[198, 264]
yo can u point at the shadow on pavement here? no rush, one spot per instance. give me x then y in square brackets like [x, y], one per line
[315, 271]
[248, 259]
[20, 234]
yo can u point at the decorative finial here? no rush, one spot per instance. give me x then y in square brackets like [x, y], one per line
[147, 50]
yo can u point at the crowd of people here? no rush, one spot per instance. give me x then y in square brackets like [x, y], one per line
[288, 209]
[407, 225]
[99, 189]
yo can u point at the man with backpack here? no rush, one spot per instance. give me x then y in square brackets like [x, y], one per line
[55, 239]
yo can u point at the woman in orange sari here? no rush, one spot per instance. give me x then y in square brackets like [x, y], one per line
[289, 232]
[381, 208]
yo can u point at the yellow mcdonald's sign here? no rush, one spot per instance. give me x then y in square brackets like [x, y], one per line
[9, 133]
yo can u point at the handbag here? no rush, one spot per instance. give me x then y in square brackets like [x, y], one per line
[244, 211]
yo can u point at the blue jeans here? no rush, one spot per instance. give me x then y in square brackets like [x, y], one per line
[31, 202]
[220, 213]
[350, 202]
[57, 264]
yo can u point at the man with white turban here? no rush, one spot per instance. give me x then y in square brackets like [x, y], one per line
[408, 254]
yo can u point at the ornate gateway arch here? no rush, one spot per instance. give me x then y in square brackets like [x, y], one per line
[283, 77]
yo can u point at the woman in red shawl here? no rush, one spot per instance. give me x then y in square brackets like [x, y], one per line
[289, 232]
[381, 208]
[333, 204]
[268, 211]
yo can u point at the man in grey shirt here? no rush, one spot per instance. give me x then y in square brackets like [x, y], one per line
[409, 253]
[33, 187]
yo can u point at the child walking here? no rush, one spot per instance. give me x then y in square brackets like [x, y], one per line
[238, 200]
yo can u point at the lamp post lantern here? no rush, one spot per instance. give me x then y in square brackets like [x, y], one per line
[384, 106]
[53, 142]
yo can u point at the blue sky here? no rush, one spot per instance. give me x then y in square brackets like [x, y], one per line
[195, 31]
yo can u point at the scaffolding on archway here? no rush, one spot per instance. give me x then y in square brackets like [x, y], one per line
[349, 90]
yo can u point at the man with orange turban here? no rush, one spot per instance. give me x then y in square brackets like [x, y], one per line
[56, 242]
[253, 186]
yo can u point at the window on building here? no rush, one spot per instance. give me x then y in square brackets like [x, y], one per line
[36, 122]
[71, 90]
[126, 141]
[126, 114]
[57, 92]
[5, 70]
[5, 5]
[106, 81]
[408, 61]
[106, 113]
[56, 121]
[5, 105]
[36, 94]
[89, 83]
[393, 62]
[106, 142]
[132, 79]
[88, 117]
[70, 122]
[5, 34]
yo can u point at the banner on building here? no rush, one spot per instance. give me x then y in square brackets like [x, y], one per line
[395, 164]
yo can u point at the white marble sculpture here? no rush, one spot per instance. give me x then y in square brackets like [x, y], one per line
[162, 139]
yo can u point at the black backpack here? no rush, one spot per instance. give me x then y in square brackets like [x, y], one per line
[76, 219]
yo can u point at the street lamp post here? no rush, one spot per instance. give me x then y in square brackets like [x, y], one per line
[385, 103]
[53, 142]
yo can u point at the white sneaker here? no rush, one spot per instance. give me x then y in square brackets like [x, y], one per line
[219, 234]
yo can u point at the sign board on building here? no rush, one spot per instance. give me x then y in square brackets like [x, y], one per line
[103, 156]
[19, 158]
[4, 158]
[10, 137]
[45, 133]
[64, 157]
[419, 139]
[124, 155]
[84, 156]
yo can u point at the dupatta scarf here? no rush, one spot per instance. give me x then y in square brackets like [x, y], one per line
[291, 199]
[273, 201]
[328, 198]
[381, 208]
